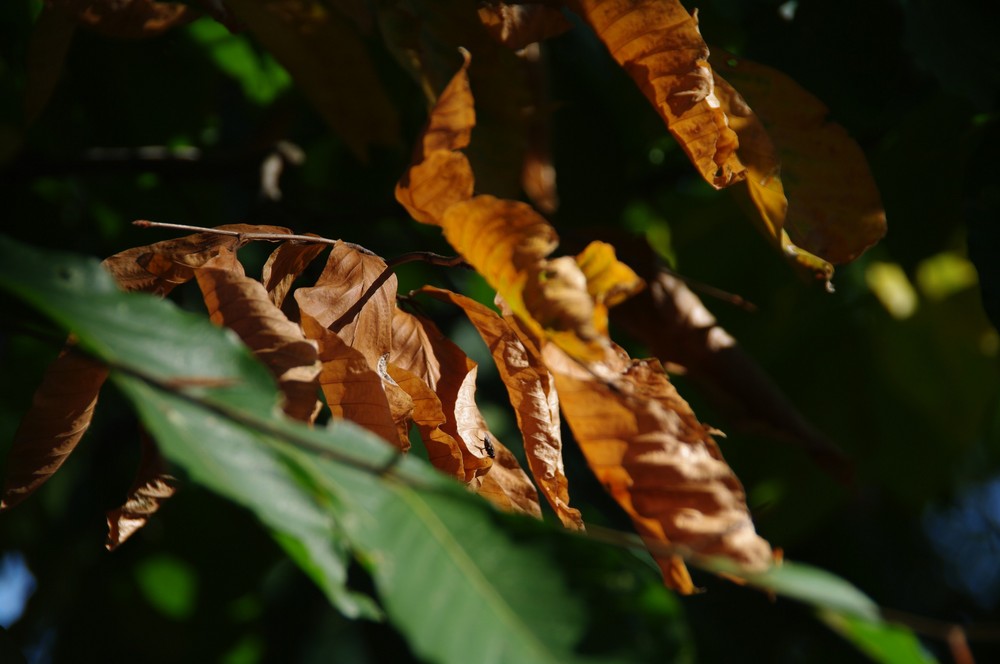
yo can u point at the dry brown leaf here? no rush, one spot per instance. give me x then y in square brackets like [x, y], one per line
[330, 63]
[656, 460]
[158, 268]
[440, 176]
[538, 173]
[507, 242]
[129, 19]
[355, 297]
[284, 266]
[353, 390]
[412, 349]
[518, 25]
[442, 450]
[60, 413]
[240, 303]
[151, 487]
[833, 209]
[507, 485]
[456, 388]
[536, 404]
[673, 323]
[658, 43]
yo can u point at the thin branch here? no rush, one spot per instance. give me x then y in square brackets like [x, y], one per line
[712, 291]
[247, 237]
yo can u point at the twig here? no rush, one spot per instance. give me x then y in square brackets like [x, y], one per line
[249, 237]
[712, 291]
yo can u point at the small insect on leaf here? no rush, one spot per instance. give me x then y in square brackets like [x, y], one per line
[487, 446]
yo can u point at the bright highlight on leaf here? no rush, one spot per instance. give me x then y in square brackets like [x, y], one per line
[658, 43]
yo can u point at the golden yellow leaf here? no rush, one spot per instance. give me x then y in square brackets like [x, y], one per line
[658, 43]
[440, 176]
[656, 460]
[833, 207]
[535, 402]
[60, 413]
[240, 303]
[151, 487]
[609, 281]
[507, 242]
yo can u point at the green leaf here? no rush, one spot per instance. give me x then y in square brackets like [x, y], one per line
[460, 580]
[883, 642]
[169, 584]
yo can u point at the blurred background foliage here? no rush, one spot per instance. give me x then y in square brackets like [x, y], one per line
[898, 367]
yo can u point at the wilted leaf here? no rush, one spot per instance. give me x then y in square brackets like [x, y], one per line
[658, 43]
[355, 297]
[158, 268]
[507, 242]
[440, 176]
[60, 414]
[518, 25]
[442, 450]
[673, 323]
[241, 304]
[834, 209]
[330, 63]
[507, 486]
[609, 281]
[353, 390]
[151, 487]
[130, 19]
[535, 402]
[284, 266]
[656, 460]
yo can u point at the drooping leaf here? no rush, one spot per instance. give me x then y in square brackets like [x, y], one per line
[609, 281]
[285, 265]
[353, 390]
[442, 450]
[60, 413]
[440, 176]
[656, 460]
[331, 65]
[158, 268]
[658, 43]
[241, 304]
[673, 323]
[834, 209]
[427, 542]
[518, 25]
[151, 487]
[535, 402]
[130, 19]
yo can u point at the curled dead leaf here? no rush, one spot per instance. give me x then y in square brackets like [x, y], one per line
[535, 402]
[656, 460]
[60, 413]
[151, 487]
[658, 43]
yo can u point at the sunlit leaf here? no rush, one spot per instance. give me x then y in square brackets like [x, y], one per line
[284, 266]
[656, 460]
[330, 63]
[834, 209]
[658, 43]
[241, 304]
[442, 450]
[158, 268]
[533, 397]
[609, 281]
[151, 487]
[440, 176]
